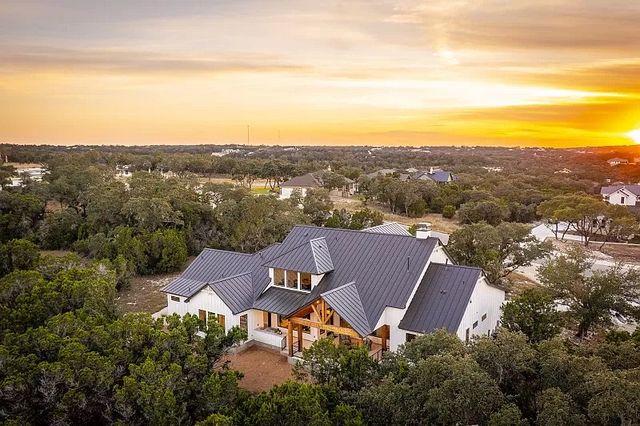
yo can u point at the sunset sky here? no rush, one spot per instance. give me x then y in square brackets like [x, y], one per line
[451, 72]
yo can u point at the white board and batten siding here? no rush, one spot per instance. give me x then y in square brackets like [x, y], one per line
[485, 302]
[206, 300]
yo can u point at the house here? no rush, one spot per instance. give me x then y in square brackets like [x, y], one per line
[622, 195]
[372, 287]
[313, 181]
[617, 161]
[124, 171]
[435, 175]
[31, 171]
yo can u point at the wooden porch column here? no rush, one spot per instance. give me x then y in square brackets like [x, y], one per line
[290, 338]
[299, 337]
[385, 337]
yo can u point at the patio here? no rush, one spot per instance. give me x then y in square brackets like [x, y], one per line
[262, 368]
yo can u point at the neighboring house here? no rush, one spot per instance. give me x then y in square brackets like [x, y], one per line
[124, 171]
[433, 174]
[224, 152]
[34, 172]
[372, 287]
[617, 161]
[313, 181]
[622, 195]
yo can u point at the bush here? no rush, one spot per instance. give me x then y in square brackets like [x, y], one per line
[448, 211]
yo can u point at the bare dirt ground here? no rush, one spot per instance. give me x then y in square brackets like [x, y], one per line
[438, 222]
[262, 368]
[144, 295]
[623, 252]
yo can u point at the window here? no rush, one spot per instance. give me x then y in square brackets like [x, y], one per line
[305, 281]
[221, 320]
[243, 322]
[292, 279]
[202, 315]
[175, 299]
[278, 277]
[475, 324]
[410, 337]
[621, 200]
[467, 335]
[484, 317]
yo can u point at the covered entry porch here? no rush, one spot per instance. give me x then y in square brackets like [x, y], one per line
[328, 323]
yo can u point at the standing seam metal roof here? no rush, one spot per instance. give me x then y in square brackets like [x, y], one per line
[345, 300]
[441, 298]
[310, 256]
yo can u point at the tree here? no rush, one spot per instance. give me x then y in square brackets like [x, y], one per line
[556, 408]
[497, 250]
[489, 211]
[18, 255]
[590, 295]
[579, 211]
[317, 205]
[534, 313]
[448, 211]
[618, 223]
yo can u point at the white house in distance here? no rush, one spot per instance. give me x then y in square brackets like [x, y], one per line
[313, 181]
[373, 287]
[32, 171]
[622, 195]
[617, 161]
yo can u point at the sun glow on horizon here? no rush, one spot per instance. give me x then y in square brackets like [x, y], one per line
[634, 135]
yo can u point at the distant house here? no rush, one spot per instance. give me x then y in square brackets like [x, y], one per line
[224, 152]
[313, 181]
[564, 171]
[617, 161]
[32, 171]
[621, 195]
[433, 174]
[124, 171]
[377, 288]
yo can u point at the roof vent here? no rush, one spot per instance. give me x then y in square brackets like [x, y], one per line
[423, 230]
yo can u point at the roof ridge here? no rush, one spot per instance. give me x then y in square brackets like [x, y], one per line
[454, 265]
[359, 231]
[230, 277]
[229, 251]
[340, 288]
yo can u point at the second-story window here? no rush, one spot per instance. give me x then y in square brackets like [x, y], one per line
[292, 279]
[305, 281]
[278, 277]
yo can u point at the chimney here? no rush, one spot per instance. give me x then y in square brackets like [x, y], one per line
[423, 230]
[431, 170]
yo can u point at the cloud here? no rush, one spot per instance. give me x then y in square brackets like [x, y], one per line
[14, 58]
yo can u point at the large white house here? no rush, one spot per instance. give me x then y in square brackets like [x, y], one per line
[373, 287]
[622, 195]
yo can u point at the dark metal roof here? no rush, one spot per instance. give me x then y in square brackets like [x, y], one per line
[606, 190]
[280, 301]
[236, 292]
[345, 300]
[306, 181]
[311, 256]
[184, 287]
[441, 298]
[384, 267]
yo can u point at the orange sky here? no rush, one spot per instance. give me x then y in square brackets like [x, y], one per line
[477, 72]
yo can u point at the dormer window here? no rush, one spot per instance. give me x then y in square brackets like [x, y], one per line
[292, 279]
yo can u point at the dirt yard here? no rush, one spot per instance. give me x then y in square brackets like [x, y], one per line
[262, 368]
[144, 295]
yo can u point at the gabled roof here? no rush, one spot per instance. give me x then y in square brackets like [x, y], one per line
[305, 181]
[607, 190]
[236, 292]
[441, 298]
[389, 228]
[345, 300]
[311, 256]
